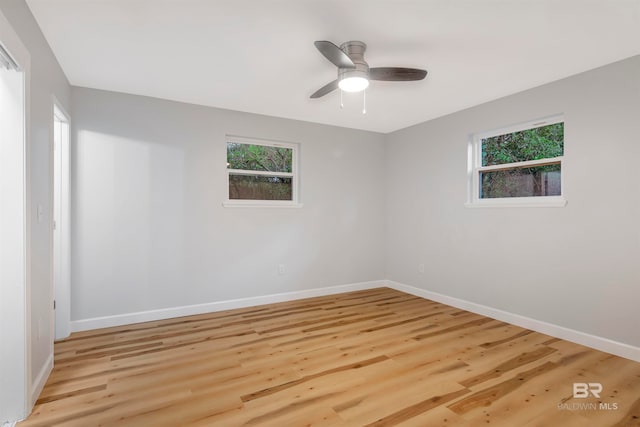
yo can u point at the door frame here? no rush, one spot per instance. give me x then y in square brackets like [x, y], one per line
[16, 385]
[60, 222]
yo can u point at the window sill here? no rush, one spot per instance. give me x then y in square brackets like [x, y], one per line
[519, 202]
[260, 204]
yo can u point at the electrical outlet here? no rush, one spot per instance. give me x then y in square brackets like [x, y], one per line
[281, 269]
[421, 268]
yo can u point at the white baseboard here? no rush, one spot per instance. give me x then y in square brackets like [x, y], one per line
[593, 341]
[41, 379]
[189, 310]
[599, 343]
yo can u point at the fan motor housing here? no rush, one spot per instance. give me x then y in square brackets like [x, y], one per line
[355, 49]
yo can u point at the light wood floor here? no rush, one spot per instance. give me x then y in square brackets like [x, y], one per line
[377, 358]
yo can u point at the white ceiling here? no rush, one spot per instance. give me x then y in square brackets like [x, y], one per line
[258, 55]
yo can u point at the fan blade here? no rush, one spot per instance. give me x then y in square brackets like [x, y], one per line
[334, 54]
[396, 74]
[329, 87]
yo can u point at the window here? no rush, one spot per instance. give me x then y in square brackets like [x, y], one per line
[261, 173]
[518, 166]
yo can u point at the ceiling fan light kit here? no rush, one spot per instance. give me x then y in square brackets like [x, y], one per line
[353, 83]
[356, 78]
[354, 73]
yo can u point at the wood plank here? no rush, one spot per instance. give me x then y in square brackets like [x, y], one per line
[373, 357]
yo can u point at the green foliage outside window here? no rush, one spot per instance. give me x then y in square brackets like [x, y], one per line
[544, 142]
[262, 158]
[259, 157]
[532, 144]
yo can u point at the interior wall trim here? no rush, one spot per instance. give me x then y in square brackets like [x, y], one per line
[41, 379]
[593, 341]
[189, 310]
[599, 343]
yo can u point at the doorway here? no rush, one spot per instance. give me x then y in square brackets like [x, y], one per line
[15, 356]
[60, 226]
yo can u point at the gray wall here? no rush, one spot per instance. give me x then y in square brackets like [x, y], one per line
[149, 229]
[47, 80]
[577, 266]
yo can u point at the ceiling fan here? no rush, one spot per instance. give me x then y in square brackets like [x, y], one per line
[354, 72]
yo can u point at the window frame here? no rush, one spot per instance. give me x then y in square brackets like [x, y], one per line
[475, 168]
[294, 175]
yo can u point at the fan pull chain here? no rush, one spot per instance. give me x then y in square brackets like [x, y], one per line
[341, 103]
[364, 101]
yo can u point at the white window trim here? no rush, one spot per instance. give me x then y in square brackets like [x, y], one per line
[474, 160]
[295, 176]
